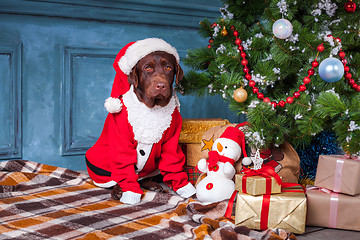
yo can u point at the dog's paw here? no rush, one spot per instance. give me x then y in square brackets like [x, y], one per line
[116, 193]
[157, 188]
[151, 185]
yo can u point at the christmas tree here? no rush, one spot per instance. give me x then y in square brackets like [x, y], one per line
[291, 66]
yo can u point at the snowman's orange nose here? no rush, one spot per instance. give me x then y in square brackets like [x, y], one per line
[219, 147]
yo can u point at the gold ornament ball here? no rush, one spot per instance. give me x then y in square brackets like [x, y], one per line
[224, 32]
[240, 95]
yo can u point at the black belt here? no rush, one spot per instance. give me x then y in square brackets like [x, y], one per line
[97, 170]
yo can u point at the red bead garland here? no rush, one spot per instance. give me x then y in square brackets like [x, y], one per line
[306, 80]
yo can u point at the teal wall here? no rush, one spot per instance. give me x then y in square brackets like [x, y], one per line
[56, 69]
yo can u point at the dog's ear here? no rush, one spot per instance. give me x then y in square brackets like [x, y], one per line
[179, 74]
[133, 77]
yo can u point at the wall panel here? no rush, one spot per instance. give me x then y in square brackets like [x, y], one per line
[87, 72]
[10, 100]
[56, 69]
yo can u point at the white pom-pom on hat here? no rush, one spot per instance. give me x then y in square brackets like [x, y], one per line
[113, 105]
[246, 161]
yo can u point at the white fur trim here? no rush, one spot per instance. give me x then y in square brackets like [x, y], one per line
[148, 124]
[106, 185]
[130, 197]
[140, 49]
[186, 191]
[177, 102]
[113, 105]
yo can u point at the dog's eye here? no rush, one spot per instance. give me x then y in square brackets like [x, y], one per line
[147, 68]
[167, 68]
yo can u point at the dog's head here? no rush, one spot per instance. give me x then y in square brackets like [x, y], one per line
[153, 77]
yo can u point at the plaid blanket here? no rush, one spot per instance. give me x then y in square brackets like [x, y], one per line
[39, 201]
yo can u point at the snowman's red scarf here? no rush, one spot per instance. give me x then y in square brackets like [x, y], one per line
[214, 158]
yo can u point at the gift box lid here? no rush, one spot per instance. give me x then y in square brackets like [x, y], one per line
[256, 185]
[193, 129]
[338, 173]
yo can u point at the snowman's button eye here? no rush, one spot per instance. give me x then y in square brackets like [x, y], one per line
[225, 146]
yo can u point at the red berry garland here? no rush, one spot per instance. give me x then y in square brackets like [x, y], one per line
[306, 80]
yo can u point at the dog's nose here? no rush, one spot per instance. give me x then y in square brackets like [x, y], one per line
[160, 86]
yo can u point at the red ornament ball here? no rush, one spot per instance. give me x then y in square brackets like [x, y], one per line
[244, 62]
[341, 54]
[344, 61]
[248, 77]
[358, 88]
[296, 94]
[274, 104]
[243, 54]
[290, 100]
[241, 48]
[346, 68]
[302, 88]
[252, 83]
[260, 95]
[311, 72]
[246, 70]
[315, 64]
[209, 46]
[255, 90]
[237, 41]
[236, 33]
[267, 100]
[351, 81]
[320, 48]
[350, 6]
[282, 103]
[306, 80]
[348, 75]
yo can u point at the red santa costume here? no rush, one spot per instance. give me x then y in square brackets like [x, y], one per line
[137, 141]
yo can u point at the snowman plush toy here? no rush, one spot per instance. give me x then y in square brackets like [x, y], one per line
[218, 184]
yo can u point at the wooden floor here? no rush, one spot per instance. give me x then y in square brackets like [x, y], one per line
[316, 233]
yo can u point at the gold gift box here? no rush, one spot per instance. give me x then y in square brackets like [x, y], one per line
[287, 210]
[193, 129]
[191, 134]
[256, 185]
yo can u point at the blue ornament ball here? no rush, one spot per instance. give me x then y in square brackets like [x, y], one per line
[331, 69]
[282, 28]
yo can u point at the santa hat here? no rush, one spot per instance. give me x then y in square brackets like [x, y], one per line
[236, 136]
[124, 62]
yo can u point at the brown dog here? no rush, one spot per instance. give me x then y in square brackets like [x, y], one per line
[153, 78]
[141, 133]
